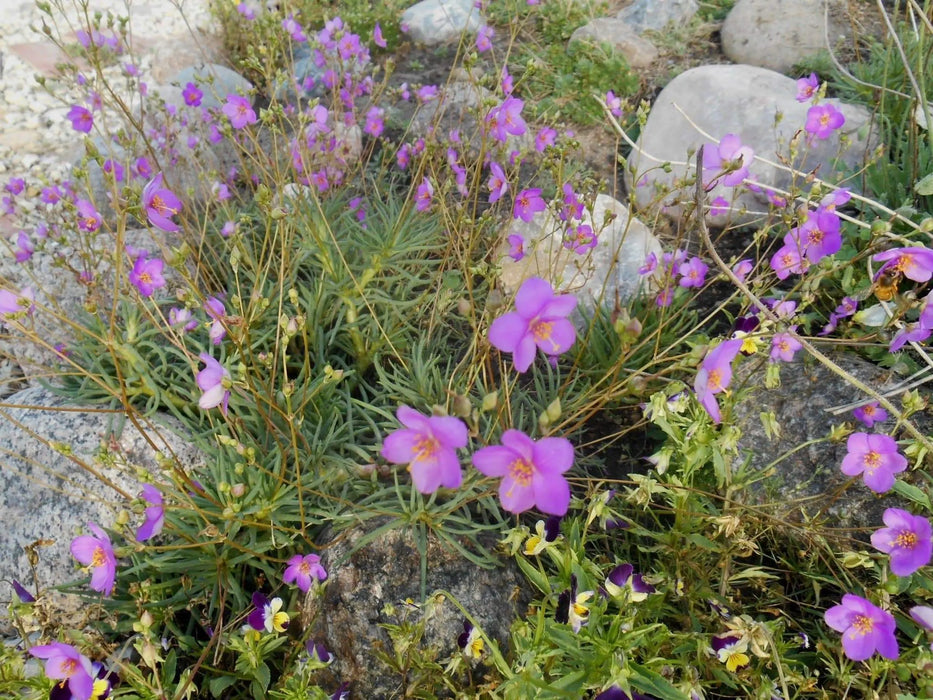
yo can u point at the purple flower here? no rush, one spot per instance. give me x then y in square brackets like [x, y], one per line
[923, 616]
[214, 382]
[192, 95]
[527, 203]
[155, 513]
[214, 308]
[378, 39]
[865, 628]
[375, 121]
[581, 239]
[317, 651]
[15, 186]
[516, 247]
[532, 471]
[424, 196]
[783, 347]
[730, 649]
[869, 414]
[96, 552]
[807, 88]
[268, 615]
[876, 458]
[160, 204]
[693, 273]
[471, 641]
[65, 663]
[498, 184]
[183, 318]
[906, 538]
[88, 217]
[428, 445]
[623, 580]
[614, 692]
[24, 595]
[823, 120]
[294, 29]
[12, 303]
[507, 119]
[742, 268]
[484, 38]
[614, 103]
[820, 235]
[728, 156]
[545, 137]
[114, 169]
[24, 247]
[539, 321]
[146, 275]
[304, 570]
[915, 263]
[572, 607]
[81, 119]
[715, 375]
[239, 111]
[787, 260]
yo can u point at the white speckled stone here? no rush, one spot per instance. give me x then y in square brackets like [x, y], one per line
[48, 495]
[437, 21]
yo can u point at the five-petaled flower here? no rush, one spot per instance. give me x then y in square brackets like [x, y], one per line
[532, 471]
[146, 275]
[424, 195]
[471, 642]
[730, 649]
[823, 120]
[623, 582]
[160, 204]
[539, 321]
[81, 119]
[865, 628]
[915, 262]
[66, 664]
[89, 218]
[870, 413]
[807, 87]
[214, 381]
[268, 615]
[239, 111]
[304, 570]
[192, 95]
[155, 513]
[906, 538]
[527, 204]
[726, 162]
[96, 553]
[428, 445]
[715, 375]
[876, 458]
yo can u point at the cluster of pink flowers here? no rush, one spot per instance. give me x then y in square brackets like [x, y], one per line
[675, 269]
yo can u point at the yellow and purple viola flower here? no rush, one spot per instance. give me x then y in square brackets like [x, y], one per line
[572, 607]
[96, 552]
[865, 628]
[546, 534]
[623, 582]
[428, 445]
[614, 692]
[160, 205]
[268, 615]
[471, 642]
[715, 375]
[155, 513]
[539, 321]
[876, 458]
[532, 471]
[304, 570]
[907, 538]
[730, 649]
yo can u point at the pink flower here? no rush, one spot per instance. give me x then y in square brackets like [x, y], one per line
[375, 122]
[527, 203]
[516, 247]
[742, 268]
[428, 445]
[807, 88]
[89, 218]
[720, 205]
[66, 664]
[876, 458]
[614, 103]
[580, 238]
[97, 553]
[213, 381]
[820, 234]
[12, 304]
[24, 247]
[506, 119]
[715, 375]
[304, 570]
[545, 137]
[192, 95]
[906, 538]
[160, 204]
[532, 471]
[693, 273]
[787, 260]
[146, 275]
[823, 120]
[915, 263]
[865, 628]
[484, 38]
[239, 111]
[155, 513]
[498, 184]
[378, 39]
[730, 157]
[216, 310]
[293, 28]
[81, 119]
[784, 346]
[424, 196]
[870, 413]
[538, 322]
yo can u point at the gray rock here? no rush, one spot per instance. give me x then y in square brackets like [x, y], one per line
[778, 34]
[638, 52]
[742, 100]
[369, 587]
[215, 80]
[437, 21]
[50, 489]
[807, 483]
[656, 14]
[602, 275]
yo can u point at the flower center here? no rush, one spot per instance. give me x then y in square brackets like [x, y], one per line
[714, 382]
[99, 557]
[824, 120]
[521, 471]
[425, 448]
[905, 539]
[305, 568]
[542, 331]
[69, 667]
[145, 278]
[863, 625]
[871, 460]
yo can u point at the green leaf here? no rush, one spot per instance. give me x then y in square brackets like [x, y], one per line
[913, 493]
[924, 186]
[651, 683]
[219, 684]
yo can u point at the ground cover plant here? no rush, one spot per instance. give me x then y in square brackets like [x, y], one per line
[328, 325]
